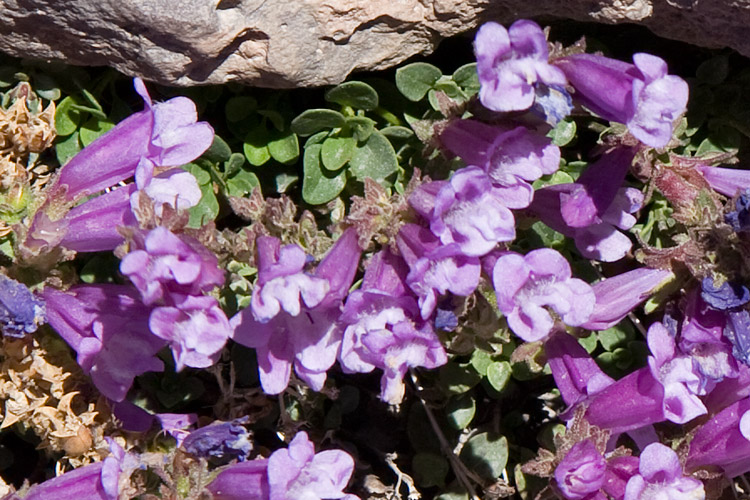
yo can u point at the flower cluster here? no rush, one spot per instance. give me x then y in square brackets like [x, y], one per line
[453, 241]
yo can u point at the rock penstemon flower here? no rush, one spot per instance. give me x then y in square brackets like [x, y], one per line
[640, 95]
[468, 211]
[162, 263]
[511, 156]
[383, 329]
[526, 285]
[660, 475]
[107, 326]
[582, 472]
[435, 268]
[282, 282]
[510, 63]
[310, 340]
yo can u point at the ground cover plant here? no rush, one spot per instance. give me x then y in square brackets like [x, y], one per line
[526, 276]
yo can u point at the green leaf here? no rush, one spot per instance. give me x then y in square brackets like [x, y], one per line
[457, 379]
[284, 181]
[563, 133]
[429, 469]
[466, 76]
[68, 148]
[242, 183]
[208, 207]
[46, 87]
[337, 151]
[498, 375]
[415, 79]
[319, 185]
[233, 164]
[375, 159]
[362, 127]
[100, 269]
[255, 146]
[357, 95]
[617, 336]
[218, 151]
[67, 119]
[93, 129]
[589, 343]
[486, 454]
[240, 107]
[460, 411]
[480, 360]
[315, 120]
[397, 133]
[276, 118]
[284, 147]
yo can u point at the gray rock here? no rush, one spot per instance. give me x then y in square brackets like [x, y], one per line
[289, 43]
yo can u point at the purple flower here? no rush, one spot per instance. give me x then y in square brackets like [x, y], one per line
[196, 329]
[384, 330]
[434, 268]
[107, 325]
[468, 211]
[525, 285]
[21, 312]
[737, 331]
[660, 476]
[510, 63]
[592, 209]
[93, 225]
[576, 374]
[723, 441]
[702, 338]
[634, 401]
[220, 441]
[282, 282]
[97, 481]
[739, 218]
[617, 296]
[310, 340]
[176, 424]
[510, 156]
[242, 481]
[640, 95]
[177, 188]
[298, 473]
[676, 372]
[582, 472]
[727, 181]
[163, 263]
[727, 296]
[164, 134]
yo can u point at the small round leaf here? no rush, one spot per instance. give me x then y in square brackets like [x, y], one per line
[315, 120]
[337, 151]
[415, 79]
[319, 185]
[375, 159]
[461, 411]
[357, 95]
[498, 375]
[486, 454]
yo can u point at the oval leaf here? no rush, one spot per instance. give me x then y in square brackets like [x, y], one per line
[67, 118]
[498, 375]
[93, 128]
[255, 146]
[284, 148]
[415, 79]
[319, 185]
[429, 469]
[315, 120]
[218, 151]
[375, 159]
[461, 411]
[362, 127]
[358, 95]
[337, 151]
[466, 77]
[486, 454]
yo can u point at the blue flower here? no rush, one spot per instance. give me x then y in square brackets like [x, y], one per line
[221, 441]
[728, 296]
[20, 311]
[739, 218]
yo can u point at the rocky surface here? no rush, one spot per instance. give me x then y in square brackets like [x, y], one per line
[291, 43]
